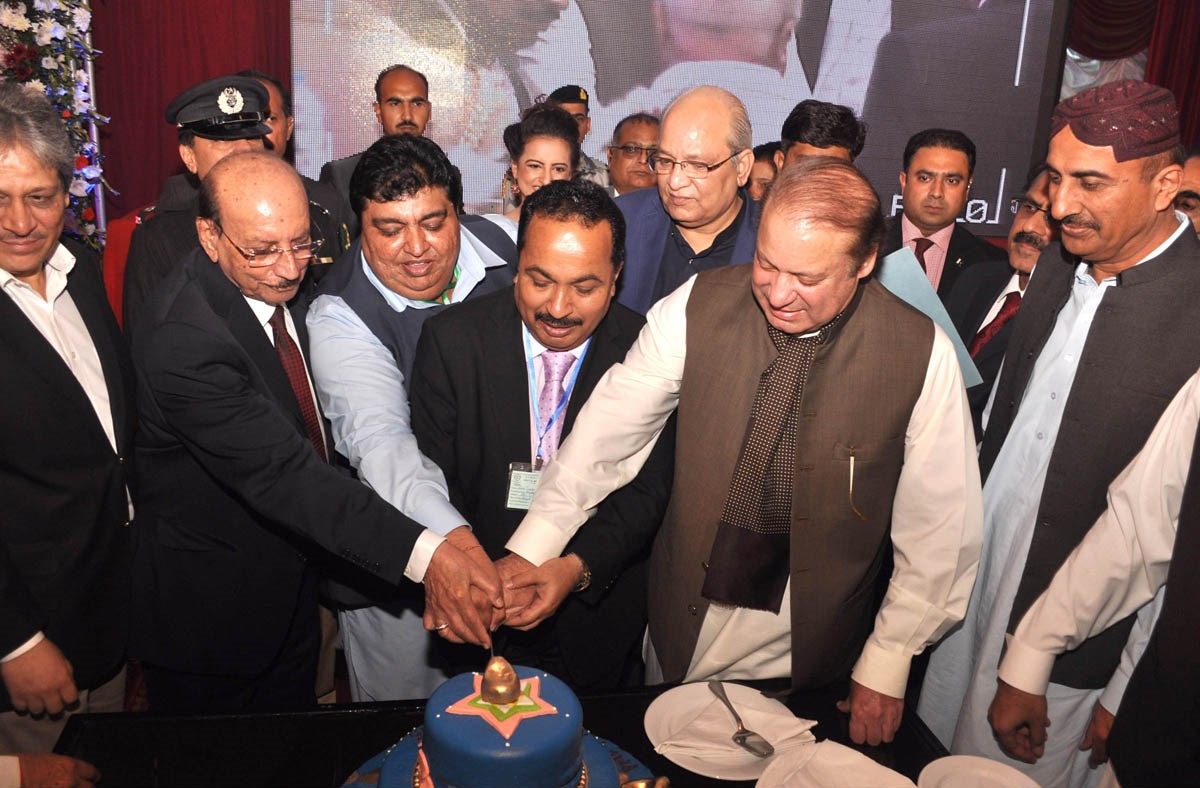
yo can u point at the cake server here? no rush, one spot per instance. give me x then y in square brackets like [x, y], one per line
[743, 737]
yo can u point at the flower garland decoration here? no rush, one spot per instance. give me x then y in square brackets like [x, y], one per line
[45, 44]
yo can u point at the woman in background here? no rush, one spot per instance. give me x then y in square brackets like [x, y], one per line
[542, 147]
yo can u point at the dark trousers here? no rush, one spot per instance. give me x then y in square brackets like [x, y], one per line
[285, 685]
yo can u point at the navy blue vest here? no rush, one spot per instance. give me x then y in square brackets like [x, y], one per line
[399, 331]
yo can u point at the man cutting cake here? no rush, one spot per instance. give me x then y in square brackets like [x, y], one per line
[823, 433]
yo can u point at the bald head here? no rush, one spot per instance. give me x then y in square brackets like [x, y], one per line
[253, 203]
[713, 107]
[706, 127]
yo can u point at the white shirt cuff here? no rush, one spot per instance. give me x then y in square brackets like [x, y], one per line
[26, 646]
[537, 540]
[422, 554]
[881, 670]
[1026, 668]
[10, 771]
[1110, 699]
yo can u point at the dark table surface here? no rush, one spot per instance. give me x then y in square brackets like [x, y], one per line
[321, 748]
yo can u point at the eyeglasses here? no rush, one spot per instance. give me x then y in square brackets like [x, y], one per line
[696, 170]
[632, 152]
[1020, 205]
[265, 258]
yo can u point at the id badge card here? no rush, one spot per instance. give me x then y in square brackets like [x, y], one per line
[522, 480]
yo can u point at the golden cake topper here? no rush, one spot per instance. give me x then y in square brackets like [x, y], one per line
[500, 682]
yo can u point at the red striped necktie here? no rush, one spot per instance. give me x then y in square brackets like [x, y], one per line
[1012, 302]
[293, 365]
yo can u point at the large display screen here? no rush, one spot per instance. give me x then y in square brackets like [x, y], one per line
[987, 68]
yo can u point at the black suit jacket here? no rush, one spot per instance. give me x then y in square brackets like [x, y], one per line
[968, 304]
[964, 251]
[233, 495]
[64, 536]
[337, 173]
[470, 411]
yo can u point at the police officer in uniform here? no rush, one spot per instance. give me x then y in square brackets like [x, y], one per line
[216, 118]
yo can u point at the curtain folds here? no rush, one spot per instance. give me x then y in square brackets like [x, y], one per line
[153, 50]
[1110, 29]
[1173, 58]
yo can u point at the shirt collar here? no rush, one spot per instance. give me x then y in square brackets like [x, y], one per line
[60, 264]
[474, 261]
[726, 237]
[1083, 270]
[263, 312]
[537, 348]
[941, 238]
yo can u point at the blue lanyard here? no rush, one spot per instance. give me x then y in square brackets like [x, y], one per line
[533, 396]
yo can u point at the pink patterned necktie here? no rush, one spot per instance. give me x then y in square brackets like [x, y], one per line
[555, 364]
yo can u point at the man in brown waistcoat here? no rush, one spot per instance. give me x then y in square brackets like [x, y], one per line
[822, 429]
[1106, 335]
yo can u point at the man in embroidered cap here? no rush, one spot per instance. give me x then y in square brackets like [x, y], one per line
[1106, 335]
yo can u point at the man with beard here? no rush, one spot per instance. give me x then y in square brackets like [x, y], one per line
[987, 296]
[935, 182]
[1104, 341]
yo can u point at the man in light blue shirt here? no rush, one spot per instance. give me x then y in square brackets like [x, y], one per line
[414, 257]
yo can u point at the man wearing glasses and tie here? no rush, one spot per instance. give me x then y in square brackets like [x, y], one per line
[237, 494]
[700, 217]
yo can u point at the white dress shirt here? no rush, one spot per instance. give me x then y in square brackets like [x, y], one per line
[936, 514]
[1122, 562]
[57, 319]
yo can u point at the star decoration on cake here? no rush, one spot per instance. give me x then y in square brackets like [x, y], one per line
[504, 717]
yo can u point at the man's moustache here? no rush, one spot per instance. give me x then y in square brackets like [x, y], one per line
[557, 322]
[1074, 220]
[1035, 241]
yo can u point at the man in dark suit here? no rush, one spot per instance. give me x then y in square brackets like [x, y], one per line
[236, 484]
[401, 106]
[987, 296]
[700, 216]
[935, 183]
[65, 429]
[216, 118]
[475, 395]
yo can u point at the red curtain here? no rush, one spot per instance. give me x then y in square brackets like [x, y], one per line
[1174, 55]
[152, 51]
[1111, 29]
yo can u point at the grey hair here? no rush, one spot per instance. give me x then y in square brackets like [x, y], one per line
[28, 119]
[741, 136]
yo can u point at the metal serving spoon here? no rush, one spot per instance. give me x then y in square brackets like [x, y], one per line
[746, 739]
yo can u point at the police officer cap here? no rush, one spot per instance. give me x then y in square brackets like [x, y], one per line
[225, 108]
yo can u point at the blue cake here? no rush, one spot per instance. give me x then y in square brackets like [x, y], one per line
[537, 741]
